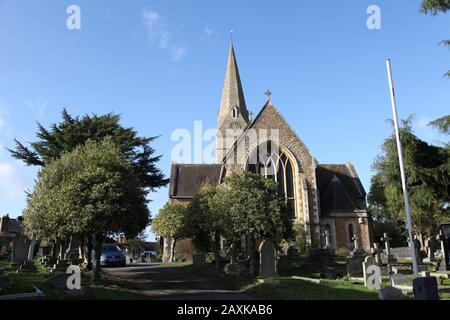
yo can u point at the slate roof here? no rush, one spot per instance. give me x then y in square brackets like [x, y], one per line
[187, 179]
[339, 188]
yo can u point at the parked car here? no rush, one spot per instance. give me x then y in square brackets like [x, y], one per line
[111, 256]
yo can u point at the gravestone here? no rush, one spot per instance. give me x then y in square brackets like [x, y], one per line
[444, 258]
[357, 249]
[327, 239]
[390, 293]
[354, 265]
[389, 256]
[27, 266]
[418, 249]
[268, 259]
[20, 246]
[431, 249]
[401, 269]
[376, 251]
[372, 276]
[401, 281]
[61, 266]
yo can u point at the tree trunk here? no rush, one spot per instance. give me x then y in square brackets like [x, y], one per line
[217, 249]
[233, 251]
[81, 248]
[90, 247]
[98, 252]
[251, 248]
[172, 250]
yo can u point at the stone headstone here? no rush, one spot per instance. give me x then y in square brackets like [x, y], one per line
[61, 266]
[354, 265]
[27, 266]
[20, 246]
[390, 258]
[372, 276]
[401, 269]
[443, 263]
[390, 293]
[399, 280]
[376, 251]
[268, 259]
[327, 239]
[357, 248]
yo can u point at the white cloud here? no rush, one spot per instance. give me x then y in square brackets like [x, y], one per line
[160, 35]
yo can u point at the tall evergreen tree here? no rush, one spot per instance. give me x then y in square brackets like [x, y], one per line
[72, 132]
[434, 7]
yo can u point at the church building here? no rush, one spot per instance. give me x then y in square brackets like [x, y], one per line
[327, 199]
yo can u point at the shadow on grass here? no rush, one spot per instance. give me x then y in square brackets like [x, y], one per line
[288, 289]
[303, 290]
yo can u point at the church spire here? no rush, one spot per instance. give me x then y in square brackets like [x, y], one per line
[232, 95]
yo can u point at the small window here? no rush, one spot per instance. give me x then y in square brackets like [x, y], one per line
[235, 112]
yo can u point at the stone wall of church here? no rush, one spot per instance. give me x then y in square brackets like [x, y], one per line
[270, 119]
[363, 231]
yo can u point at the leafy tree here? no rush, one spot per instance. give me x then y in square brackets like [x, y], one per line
[72, 132]
[90, 191]
[396, 230]
[256, 210]
[427, 172]
[434, 7]
[207, 216]
[171, 222]
[300, 238]
[442, 124]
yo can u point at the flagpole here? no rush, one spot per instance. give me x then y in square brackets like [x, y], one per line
[402, 171]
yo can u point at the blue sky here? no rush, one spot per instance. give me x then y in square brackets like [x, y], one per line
[161, 64]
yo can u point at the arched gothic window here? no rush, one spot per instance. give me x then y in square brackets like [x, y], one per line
[274, 164]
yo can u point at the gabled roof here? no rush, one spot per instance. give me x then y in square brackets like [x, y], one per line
[187, 179]
[340, 188]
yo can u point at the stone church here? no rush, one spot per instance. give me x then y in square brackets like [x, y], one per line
[327, 199]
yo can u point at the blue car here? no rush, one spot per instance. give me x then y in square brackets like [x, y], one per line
[111, 256]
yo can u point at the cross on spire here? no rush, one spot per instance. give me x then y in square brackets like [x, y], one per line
[268, 94]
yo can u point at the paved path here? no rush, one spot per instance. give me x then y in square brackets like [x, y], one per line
[168, 282]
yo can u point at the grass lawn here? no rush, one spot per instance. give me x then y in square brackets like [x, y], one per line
[110, 289]
[288, 288]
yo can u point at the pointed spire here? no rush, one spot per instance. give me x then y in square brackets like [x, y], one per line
[232, 95]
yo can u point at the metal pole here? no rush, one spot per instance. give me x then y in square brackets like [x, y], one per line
[402, 171]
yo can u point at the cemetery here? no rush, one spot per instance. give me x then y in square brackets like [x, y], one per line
[312, 199]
